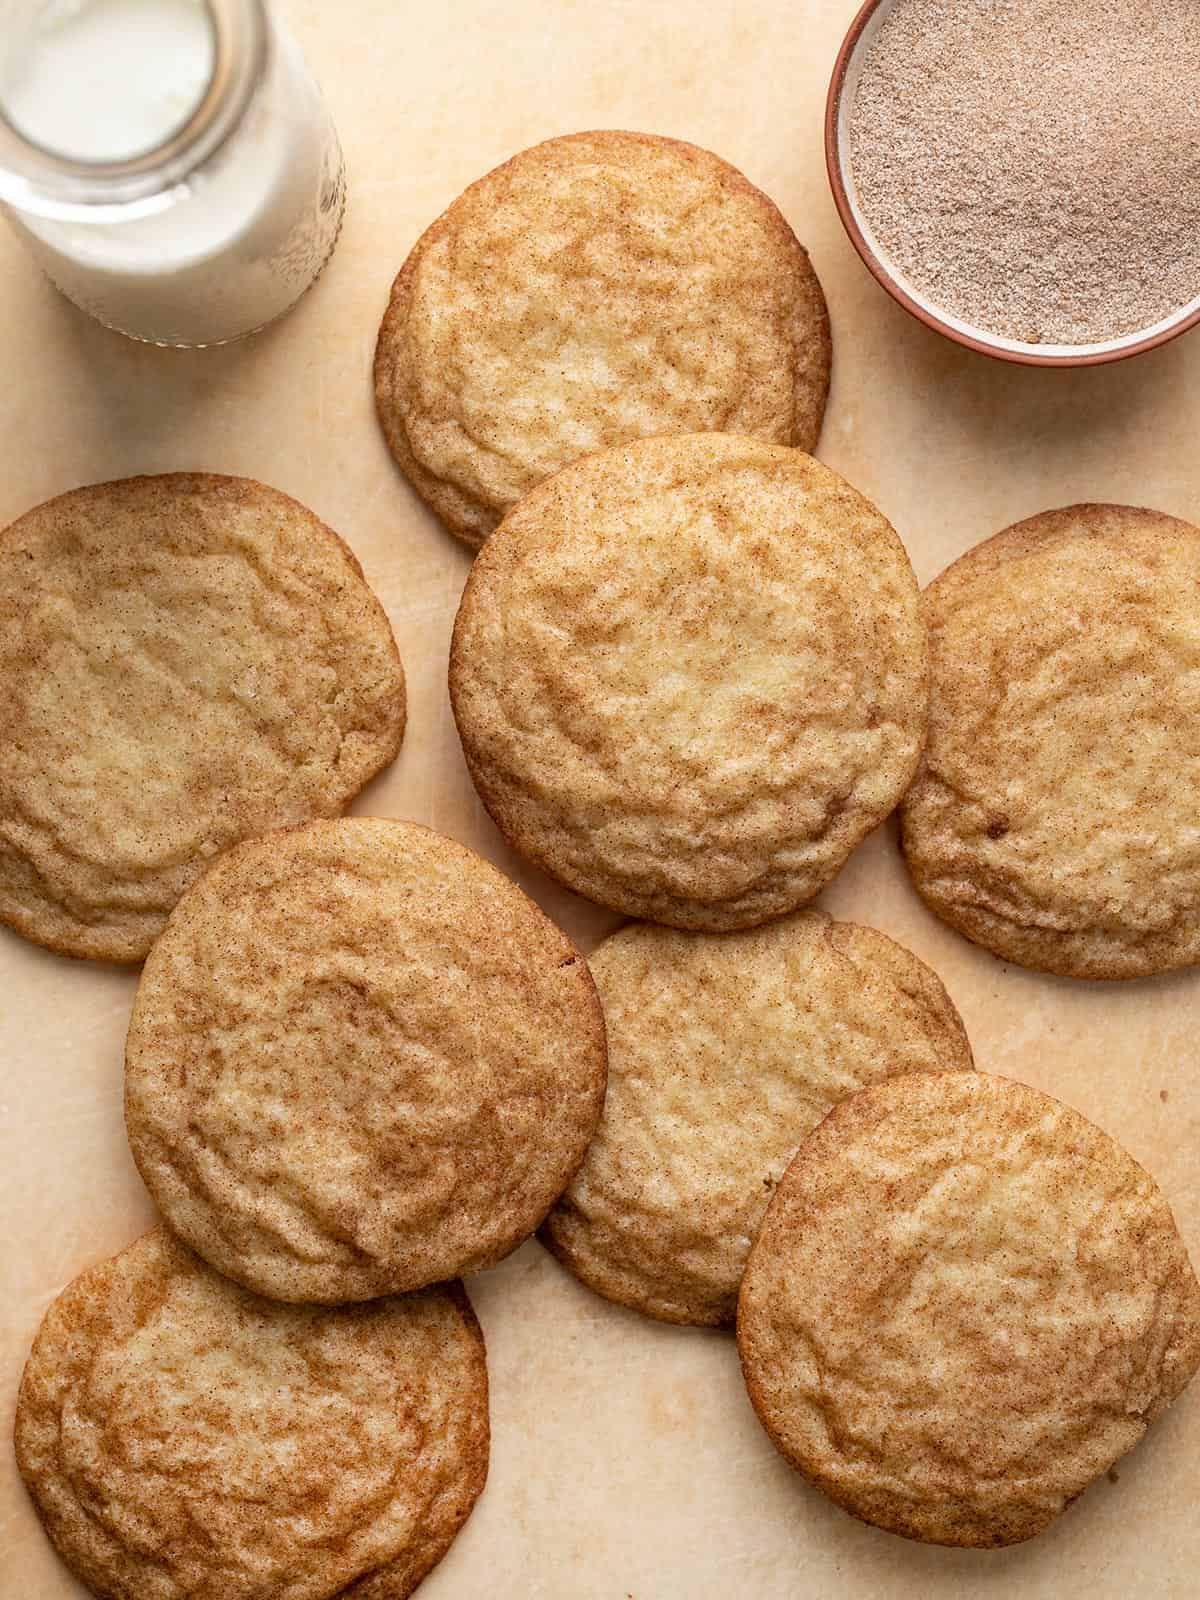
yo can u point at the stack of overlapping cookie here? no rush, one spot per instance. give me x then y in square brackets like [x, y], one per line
[691, 671]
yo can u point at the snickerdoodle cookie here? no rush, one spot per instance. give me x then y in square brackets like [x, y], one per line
[185, 1440]
[725, 1050]
[360, 1061]
[964, 1304]
[187, 660]
[595, 289]
[690, 676]
[1054, 818]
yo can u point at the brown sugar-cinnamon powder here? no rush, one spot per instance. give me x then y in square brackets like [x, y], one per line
[1033, 166]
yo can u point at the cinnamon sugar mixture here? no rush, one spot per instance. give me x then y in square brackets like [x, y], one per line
[1033, 166]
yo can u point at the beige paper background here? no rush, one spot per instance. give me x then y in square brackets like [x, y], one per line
[626, 1462]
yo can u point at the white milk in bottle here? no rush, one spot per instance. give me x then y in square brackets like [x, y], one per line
[171, 163]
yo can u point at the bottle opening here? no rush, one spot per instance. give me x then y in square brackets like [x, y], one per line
[105, 81]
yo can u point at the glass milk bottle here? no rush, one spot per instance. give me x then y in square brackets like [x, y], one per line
[170, 163]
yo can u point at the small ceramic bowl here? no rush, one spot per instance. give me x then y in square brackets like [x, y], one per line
[842, 89]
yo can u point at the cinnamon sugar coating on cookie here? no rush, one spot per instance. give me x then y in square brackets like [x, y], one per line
[360, 1061]
[188, 660]
[185, 1440]
[595, 289]
[1053, 819]
[690, 675]
[725, 1050]
[965, 1303]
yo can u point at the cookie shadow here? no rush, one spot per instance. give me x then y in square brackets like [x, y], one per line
[1083, 1541]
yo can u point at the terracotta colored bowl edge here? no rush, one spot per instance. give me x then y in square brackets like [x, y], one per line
[879, 271]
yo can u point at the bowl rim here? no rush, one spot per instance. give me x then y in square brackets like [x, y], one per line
[881, 273]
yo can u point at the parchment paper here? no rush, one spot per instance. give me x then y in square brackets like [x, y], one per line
[626, 1463]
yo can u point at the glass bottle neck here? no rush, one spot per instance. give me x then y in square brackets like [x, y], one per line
[40, 182]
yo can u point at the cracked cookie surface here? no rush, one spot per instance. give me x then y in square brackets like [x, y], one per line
[595, 289]
[964, 1304]
[725, 1050]
[184, 1439]
[188, 660]
[689, 676]
[1053, 819]
[360, 1061]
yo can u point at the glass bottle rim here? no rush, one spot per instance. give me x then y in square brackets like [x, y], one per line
[40, 182]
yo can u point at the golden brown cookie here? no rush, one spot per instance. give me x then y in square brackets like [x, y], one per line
[689, 675]
[187, 660]
[595, 289]
[1054, 817]
[725, 1050]
[964, 1304]
[185, 1440]
[360, 1061]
